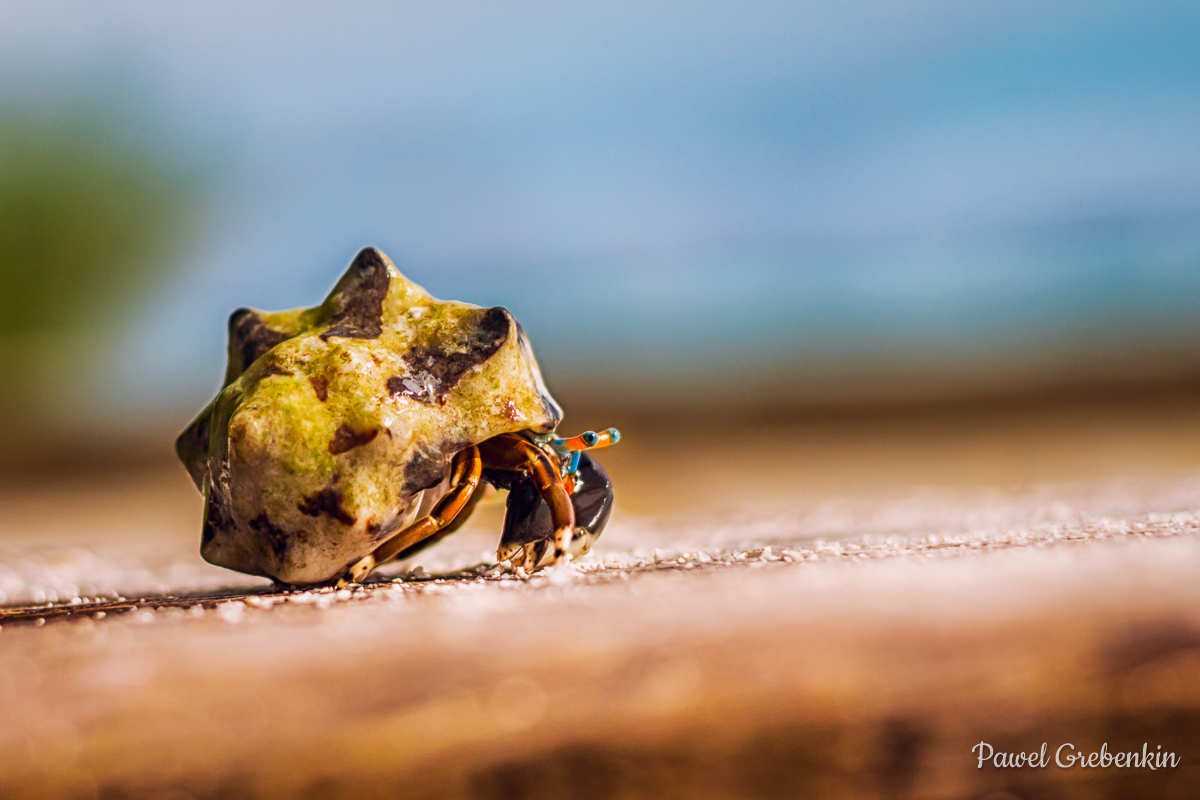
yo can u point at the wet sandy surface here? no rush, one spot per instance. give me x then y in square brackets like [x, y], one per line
[846, 630]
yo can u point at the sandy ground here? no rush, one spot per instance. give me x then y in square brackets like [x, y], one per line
[821, 609]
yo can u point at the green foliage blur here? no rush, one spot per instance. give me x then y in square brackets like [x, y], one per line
[89, 216]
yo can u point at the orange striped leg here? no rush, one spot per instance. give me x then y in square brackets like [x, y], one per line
[464, 480]
[455, 524]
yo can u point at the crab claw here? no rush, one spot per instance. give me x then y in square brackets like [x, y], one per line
[528, 524]
[528, 556]
[510, 553]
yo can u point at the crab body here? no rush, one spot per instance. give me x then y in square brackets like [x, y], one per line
[335, 421]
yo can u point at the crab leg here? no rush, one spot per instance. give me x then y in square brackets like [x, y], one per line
[459, 520]
[468, 467]
[514, 453]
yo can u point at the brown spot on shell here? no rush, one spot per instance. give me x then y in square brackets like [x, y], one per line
[275, 537]
[320, 385]
[275, 369]
[358, 298]
[435, 369]
[346, 438]
[328, 501]
[426, 470]
[249, 338]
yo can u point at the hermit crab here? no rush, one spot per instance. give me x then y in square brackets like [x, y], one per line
[365, 428]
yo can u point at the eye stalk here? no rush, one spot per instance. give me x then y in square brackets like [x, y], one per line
[590, 440]
[568, 450]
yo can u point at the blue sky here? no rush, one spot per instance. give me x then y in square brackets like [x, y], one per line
[647, 184]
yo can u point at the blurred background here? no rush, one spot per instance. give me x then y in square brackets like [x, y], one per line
[916, 278]
[708, 215]
[854, 271]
